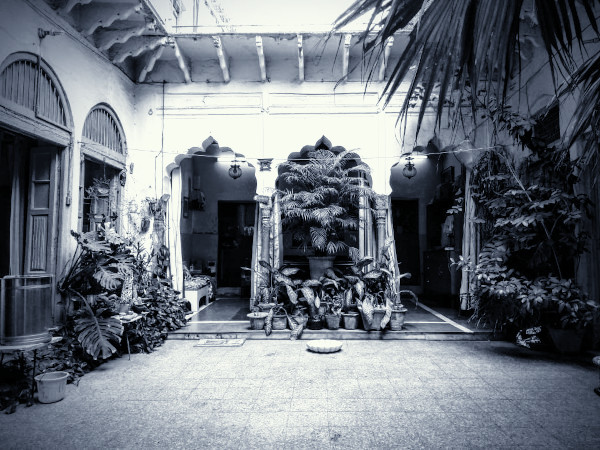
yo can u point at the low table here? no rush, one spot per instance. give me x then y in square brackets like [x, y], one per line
[8, 349]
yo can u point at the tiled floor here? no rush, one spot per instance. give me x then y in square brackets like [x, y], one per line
[276, 394]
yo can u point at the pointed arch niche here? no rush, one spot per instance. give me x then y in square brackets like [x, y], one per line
[363, 238]
[216, 212]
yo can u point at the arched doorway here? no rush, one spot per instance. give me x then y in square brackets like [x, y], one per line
[35, 130]
[216, 224]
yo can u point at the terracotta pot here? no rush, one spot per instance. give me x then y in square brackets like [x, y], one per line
[397, 319]
[314, 324]
[333, 321]
[257, 320]
[279, 322]
[376, 323]
[350, 320]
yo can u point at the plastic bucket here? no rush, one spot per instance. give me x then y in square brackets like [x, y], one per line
[52, 386]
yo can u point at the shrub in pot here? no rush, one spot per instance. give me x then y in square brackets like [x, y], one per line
[320, 202]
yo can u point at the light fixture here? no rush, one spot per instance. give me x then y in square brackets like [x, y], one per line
[235, 171]
[409, 170]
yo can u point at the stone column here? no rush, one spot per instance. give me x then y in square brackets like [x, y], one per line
[381, 209]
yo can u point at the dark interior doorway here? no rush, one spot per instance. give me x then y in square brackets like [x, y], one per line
[406, 233]
[236, 228]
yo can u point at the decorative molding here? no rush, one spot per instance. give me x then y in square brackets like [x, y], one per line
[136, 46]
[265, 164]
[222, 58]
[300, 58]
[386, 56]
[150, 64]
[71, 4]
[261, 58]
[181, 60]
[104, 15]
[33, 127]
[105, 39]
[346, 55]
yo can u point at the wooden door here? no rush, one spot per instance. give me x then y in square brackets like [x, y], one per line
[41, 211]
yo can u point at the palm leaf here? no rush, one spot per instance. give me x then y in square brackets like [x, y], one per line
[459, 43]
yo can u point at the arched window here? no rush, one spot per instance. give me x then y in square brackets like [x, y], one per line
[103, 173]
[33, 90]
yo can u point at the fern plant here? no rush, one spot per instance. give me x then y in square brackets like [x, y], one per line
[321, 201]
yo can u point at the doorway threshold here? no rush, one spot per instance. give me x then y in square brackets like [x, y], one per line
[225, 318]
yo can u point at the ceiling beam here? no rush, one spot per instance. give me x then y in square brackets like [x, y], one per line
[300, 58]
[105, 39]
[135, 47]
[346, 55]
[104, 15]
[150, 64]
[66, 9]
[261, 58]
[222, 58]
[386, 55]
[181, 60]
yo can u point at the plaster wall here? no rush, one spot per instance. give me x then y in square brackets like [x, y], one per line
[86, 77]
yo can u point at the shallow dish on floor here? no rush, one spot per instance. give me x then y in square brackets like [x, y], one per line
[324, 345]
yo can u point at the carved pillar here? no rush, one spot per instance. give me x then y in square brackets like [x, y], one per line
[381, 209]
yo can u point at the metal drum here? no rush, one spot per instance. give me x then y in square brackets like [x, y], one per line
[26, 313]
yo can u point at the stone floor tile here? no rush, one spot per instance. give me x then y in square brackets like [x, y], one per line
[351, 437]
[317, 418]
[304, 438]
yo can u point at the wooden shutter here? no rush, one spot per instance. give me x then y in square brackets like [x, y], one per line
[39, 239]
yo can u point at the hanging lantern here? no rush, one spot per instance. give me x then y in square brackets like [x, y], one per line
[235, 171]
[409, 170]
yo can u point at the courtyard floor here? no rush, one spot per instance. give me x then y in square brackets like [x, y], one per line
[276, 394]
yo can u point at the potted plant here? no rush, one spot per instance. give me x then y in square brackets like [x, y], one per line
[257, 319]
[334, 311]
[320, 203]
[273, 283]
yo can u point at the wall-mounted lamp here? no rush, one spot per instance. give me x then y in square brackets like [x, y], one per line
[409, 170]
[235, 171]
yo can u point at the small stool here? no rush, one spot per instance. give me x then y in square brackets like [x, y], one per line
[596, 362]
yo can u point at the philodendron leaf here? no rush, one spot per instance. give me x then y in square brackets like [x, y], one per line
[317, 301]
[96, 333]
[269, 322]
[388, 314]
[292, 294]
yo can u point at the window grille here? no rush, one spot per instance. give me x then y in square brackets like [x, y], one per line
[103, 128]
[18, 83]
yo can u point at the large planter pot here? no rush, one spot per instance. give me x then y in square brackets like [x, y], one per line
[350, 320]
[279, 322]
[26, 310]
[257, 320]
[314, 324]
[318, 265]
[397, 319]
[566, 340]
[376, 322]
[333, 321]
[52, 386]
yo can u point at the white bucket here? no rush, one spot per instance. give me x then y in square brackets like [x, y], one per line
[52, 386]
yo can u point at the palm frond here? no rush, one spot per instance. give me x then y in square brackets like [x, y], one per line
[460, 44]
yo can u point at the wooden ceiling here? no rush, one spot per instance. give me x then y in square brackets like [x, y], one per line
[138, 38]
